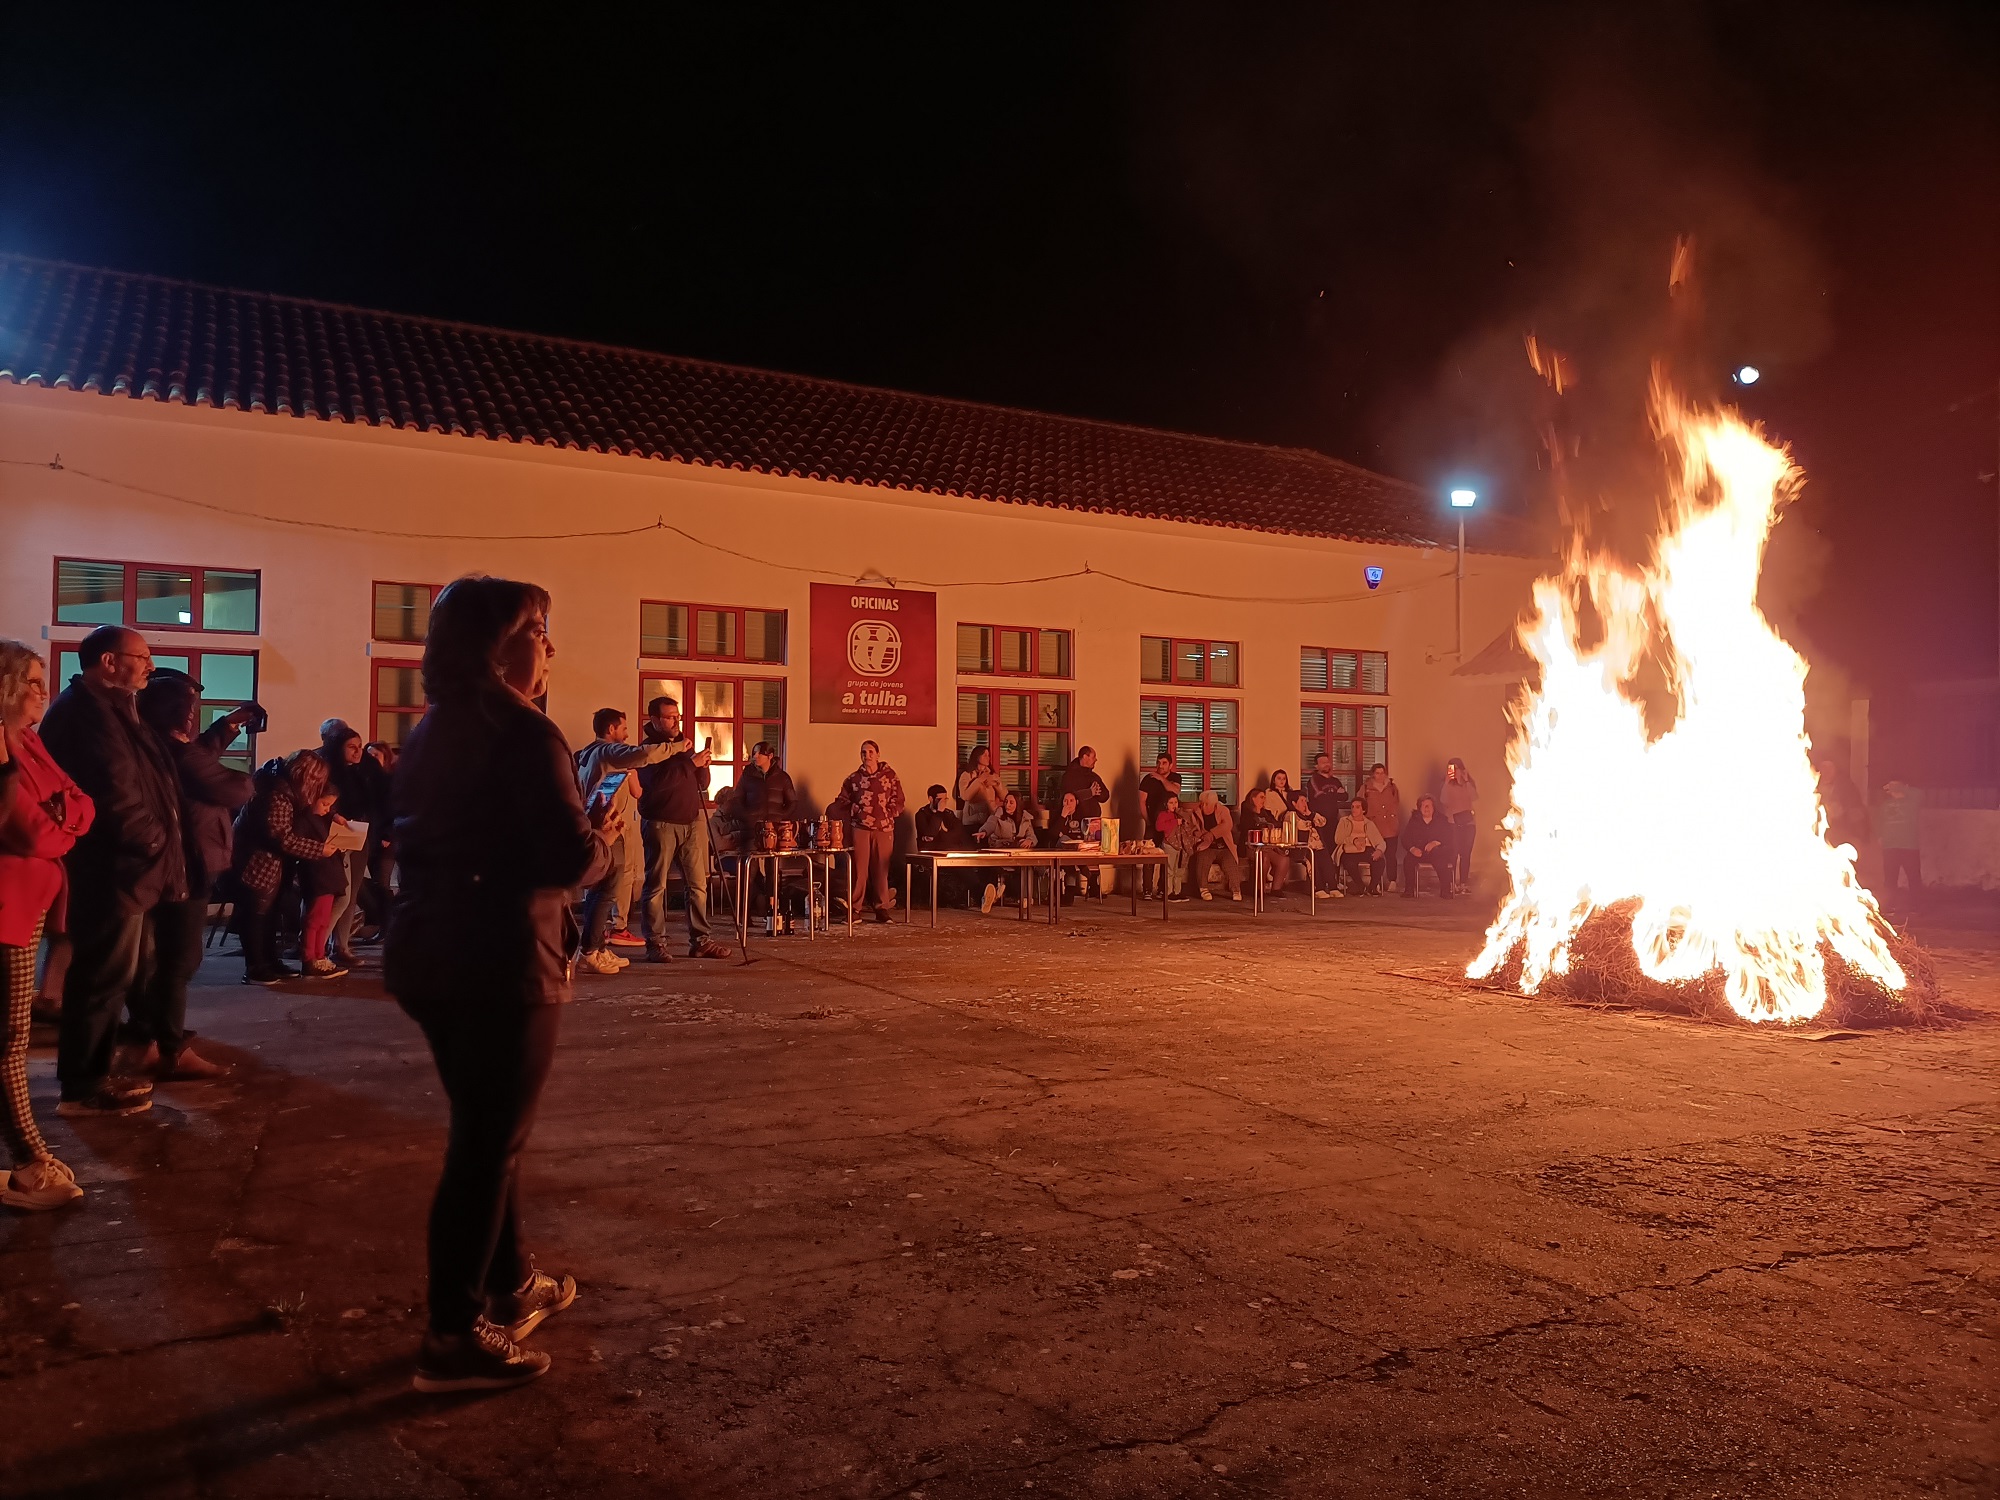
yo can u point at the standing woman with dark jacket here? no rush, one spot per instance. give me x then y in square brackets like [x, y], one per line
[41, 813]
[491, 837]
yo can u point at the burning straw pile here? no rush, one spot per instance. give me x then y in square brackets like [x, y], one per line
[1604, 970]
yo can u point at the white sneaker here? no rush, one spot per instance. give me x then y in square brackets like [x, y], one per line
[600, 962]
[1235, 895]
[1207, 895]
[987, 898]
[617, 958]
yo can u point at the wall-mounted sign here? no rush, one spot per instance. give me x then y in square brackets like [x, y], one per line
[874, 655]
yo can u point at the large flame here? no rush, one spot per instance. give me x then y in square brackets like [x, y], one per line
[1715, 827]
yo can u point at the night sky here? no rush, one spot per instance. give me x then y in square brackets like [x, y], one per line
[1316, 224]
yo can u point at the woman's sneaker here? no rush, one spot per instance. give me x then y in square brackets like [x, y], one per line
[41, 1184]
[108, 1099]
[600, 962]
[519, 1314]
[483, 1360]
[987, 898]
[324, 968]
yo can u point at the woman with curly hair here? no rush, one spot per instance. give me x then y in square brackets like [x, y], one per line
[280, 824]
[42, 812]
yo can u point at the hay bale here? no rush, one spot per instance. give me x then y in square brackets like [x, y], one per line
[1604, 970]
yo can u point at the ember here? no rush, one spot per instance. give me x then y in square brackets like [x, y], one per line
[1693, 860]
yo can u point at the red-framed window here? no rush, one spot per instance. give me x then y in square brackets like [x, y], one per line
[1356, 735]
[1200, 736]
[402, 611]
[711, 632]
[1184, 661]
[1028, 733]
[157, 596]
[395, 699]
[726, 714]
[228, 679]
[1014, 651]
[1332, 669]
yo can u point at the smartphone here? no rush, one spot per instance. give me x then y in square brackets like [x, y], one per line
[606, 789]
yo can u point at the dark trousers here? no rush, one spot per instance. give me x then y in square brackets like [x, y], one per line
[159, 1003]
[492, 1062]
[1365, 869]
[1909, 861]
[103, 966]
[1464, 834]
[1440, 862]
[1385, 867]
[598, 901]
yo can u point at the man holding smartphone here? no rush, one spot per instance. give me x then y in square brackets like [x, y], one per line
[672, 800]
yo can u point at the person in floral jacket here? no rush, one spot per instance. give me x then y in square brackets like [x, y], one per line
[875, 795]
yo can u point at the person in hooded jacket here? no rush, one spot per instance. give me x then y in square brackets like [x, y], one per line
[874, 793]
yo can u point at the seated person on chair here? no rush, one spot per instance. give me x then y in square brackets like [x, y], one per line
[1361, 848]
[1427, 841]
[1072, 830]
[1313, 860]
[939, 828]
[1012, 827]
[1209, 834]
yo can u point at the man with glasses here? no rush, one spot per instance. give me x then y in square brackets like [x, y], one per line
[130, 861]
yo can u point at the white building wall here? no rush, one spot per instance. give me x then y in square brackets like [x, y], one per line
[437, 500]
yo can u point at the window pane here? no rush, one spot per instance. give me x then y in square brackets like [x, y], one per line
[1015, 651]
[1340, 721]
[1187, 754]
[1341, 671]
[1225, 787]
[1015, 748]
[763, 700]
[402, 611]
[399, 687]
[172, 663]
[975, 648]
[90, 593]
[1343, 760]
[715, 632]
[1374, 672]
[658, 687]
[1017, 710]
[1054, 713]
[1152, 716]
[68, 664]
[228, 676]
[1190, 661]
[1055, 751]
[1156, 655]
[1222, 716]
[1054, 660]
[719, 737]
[1312, 670]
[715, 700]
[1151, 748]
[663, 630]
[1190, 718]
[1374, 752]
[972, 708]
[1222, 751]
[228, 601]
[1309, 750]
[1222, 663]
[1375, 723]
[764, 635]
[163, 597]
[394, 728]
[1312, 719]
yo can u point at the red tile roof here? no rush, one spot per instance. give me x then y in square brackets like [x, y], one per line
[147, 337]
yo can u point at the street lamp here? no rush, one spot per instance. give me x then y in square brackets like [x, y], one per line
[1746, 375]
[1462, 501]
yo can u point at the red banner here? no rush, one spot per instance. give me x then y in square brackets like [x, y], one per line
[874, 655]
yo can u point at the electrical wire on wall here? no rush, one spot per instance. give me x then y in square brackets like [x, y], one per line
[661, 524]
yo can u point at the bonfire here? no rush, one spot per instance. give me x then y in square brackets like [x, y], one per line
[1688, 861]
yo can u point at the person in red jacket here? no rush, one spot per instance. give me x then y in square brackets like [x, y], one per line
[41, 813]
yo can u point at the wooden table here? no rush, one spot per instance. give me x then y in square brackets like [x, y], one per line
[1055, 861]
